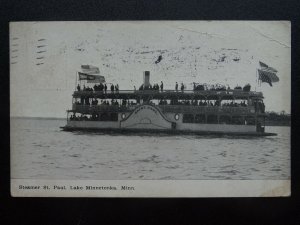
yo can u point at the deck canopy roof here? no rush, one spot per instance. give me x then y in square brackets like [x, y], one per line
[171, 94]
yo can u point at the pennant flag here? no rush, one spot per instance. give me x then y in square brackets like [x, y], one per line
[91, 78]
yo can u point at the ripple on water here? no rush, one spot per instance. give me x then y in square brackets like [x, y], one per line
[152, 158]
[230, 172]
[166, 178]
[160, 156]
[172, 167]
[75, 155]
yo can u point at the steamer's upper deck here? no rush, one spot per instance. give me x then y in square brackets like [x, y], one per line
[171, 94]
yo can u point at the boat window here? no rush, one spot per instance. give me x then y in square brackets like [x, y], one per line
[212, 119]
[261, 120]
[225, 119]
[238, 120]
[114, 116]
[250, 120]
[188, 118]
[104, 117]
[200, 118]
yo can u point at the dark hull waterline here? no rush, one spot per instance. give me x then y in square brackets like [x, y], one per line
[167, 131]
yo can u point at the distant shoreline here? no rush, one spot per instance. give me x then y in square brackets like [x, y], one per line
[278, 123]
[37, 118]
[267, 123]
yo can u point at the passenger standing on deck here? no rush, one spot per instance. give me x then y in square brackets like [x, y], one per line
[161, 86]
[112, 88]
[105, 88]
[182, 87]
[176, 87]
[117, 88]
[101, 87]
[78, 87]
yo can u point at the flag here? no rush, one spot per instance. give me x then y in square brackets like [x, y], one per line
[267, 68]
[268, 77]
[263, 65]
[90, 78]
[88, 69]
[267, 74]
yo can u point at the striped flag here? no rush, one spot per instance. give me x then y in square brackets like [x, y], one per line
[267, 74]
[263, 65]
[88, 69]
[91, 78]
[267, 68]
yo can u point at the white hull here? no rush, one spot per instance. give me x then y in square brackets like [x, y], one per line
[225, 128]
[150, 118]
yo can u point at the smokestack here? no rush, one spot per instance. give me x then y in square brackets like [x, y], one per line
[146, 78]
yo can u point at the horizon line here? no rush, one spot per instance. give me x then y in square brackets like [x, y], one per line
[36, 117]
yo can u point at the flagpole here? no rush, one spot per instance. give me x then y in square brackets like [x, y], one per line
[256, 81]
[75, 80]
[256, 76]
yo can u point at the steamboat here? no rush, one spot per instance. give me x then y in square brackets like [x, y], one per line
[203, 110]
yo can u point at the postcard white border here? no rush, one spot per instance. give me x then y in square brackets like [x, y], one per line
[150, 188]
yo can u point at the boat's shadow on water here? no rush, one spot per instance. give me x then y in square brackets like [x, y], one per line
[163, 134]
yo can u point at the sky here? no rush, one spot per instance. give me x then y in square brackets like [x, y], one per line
[46, 56]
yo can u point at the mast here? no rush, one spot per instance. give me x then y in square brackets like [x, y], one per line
[75, 80]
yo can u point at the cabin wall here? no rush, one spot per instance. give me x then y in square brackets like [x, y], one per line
[94, 124]
[148, 119]
[209, 127]
[171, 117]
[216, 127]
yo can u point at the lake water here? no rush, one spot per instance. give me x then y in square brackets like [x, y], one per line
[40, 150]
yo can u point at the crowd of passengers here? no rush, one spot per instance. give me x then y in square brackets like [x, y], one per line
[259, 106]
[219, 87]
[124, 102]
[196, 87]
[86, 101]
[202, 103]
[79, 118]
[100, 87]
[94, 117]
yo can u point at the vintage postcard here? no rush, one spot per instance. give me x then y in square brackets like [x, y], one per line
[150, 108]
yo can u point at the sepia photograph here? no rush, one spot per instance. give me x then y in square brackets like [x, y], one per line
[150, 108]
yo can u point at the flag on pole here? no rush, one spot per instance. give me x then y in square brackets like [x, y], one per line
[88, 69]
[267, 74]
[263, 65]
[91, 74]
[90, 78]
[267, 68]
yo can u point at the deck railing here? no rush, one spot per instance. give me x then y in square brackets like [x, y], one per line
[167, 109]
[101, 108]
[237, 93]
[206, 109]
